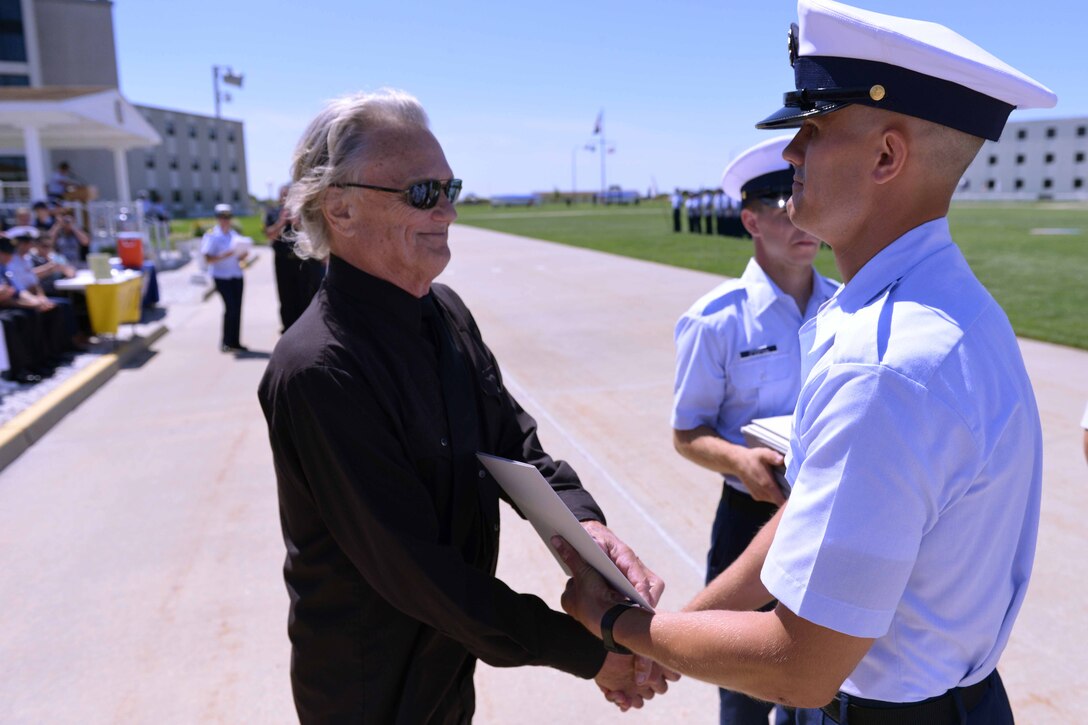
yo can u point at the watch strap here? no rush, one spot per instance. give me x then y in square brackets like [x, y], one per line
[608, 621]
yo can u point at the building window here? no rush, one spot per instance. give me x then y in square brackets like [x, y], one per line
[169, 128]
[1079, 157]
[1047, 183]
[233, 168]
[1049, 158]
[990, 184]
[1051, 132]
[14, 79]
[211, 133]
[150, 163]
[1078, 183]
[1022, 134]
[176, 195]
[12, 35]
[174, 162]
[192, 130]
[236, 196]
[1081, 130]
[215, 165]
[196, 166]
[218, 197]
[993, 160]
[196, 196]
[1019, 159]
[1019, 184]
[230, 136]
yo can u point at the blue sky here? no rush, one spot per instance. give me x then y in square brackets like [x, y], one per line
[513, 88]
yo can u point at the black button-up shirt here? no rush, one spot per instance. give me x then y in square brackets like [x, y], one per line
[391, 542]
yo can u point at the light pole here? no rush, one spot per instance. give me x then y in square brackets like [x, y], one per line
[573, 173]
[231, 79]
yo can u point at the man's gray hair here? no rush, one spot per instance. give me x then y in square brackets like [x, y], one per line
[330, 151]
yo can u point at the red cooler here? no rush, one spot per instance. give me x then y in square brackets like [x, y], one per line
[130, 248]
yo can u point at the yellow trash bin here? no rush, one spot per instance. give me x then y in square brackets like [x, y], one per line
[110, 304]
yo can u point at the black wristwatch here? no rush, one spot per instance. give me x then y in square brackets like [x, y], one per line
[608, 621]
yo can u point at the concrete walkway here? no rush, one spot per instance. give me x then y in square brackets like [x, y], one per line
[142, 579]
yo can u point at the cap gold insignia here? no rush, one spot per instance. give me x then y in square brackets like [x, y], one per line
[877, 92]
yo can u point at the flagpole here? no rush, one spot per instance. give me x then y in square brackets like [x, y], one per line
[604, 152]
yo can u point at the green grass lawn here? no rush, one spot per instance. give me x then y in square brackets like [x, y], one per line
[1040, 280]
[251, 226]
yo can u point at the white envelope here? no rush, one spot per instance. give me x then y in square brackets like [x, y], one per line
[548, 514]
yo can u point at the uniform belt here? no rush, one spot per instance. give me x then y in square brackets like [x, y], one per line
[935, 711]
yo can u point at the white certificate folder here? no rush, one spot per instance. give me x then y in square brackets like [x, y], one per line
[536, 499]
[773, 433]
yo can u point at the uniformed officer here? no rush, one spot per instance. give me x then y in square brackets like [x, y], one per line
[677, 200]
[708, 211]
[903, 555]
[737, 358]
[695, 225]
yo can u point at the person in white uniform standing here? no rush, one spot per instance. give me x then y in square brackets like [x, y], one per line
[224, 260]
[902, 558]
[738, 358]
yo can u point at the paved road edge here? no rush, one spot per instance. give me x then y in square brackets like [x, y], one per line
[29, 426]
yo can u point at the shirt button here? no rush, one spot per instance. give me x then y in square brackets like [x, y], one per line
[444, 442]
[496, 528]
[482, 473]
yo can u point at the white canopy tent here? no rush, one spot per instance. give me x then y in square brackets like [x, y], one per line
[37, 119]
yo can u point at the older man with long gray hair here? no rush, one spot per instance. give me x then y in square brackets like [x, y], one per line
[377, 400]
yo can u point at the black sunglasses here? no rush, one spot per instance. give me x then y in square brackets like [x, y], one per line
[421, 195]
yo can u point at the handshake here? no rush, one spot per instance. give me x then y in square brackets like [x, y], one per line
[625, 680]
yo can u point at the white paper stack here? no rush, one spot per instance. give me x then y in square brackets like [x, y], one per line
[773, 433]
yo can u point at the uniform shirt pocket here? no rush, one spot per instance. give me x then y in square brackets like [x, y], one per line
[768, 379]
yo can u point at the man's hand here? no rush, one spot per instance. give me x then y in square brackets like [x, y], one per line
[623, 686]
[755, 470]
[646, 583]
[626, 681]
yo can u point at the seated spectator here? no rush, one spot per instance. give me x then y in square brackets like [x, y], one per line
[69, 240]
[35, 330]
[43, 217]
[49, 265]
[26, 280]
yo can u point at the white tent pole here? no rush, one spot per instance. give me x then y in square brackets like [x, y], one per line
[120, 172]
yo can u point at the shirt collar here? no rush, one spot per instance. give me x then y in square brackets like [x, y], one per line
[762, 291]
[373, 295]
[893, 262]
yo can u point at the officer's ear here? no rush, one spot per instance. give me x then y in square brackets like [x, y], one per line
[339, 211]
[893, 155]
[750, 220]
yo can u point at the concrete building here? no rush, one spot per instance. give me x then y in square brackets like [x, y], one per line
[72, 110]
[200, 162]
[1034, 160]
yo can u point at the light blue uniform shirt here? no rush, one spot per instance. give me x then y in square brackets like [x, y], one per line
[916, 464]
[216, 242]
[717, 387]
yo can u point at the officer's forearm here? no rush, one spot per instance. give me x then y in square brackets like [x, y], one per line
[739, 587]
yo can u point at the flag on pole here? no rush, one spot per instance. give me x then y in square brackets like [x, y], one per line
[600, 120]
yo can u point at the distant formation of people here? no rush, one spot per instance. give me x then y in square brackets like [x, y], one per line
[708, 211]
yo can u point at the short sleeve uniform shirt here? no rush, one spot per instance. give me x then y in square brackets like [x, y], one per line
[737, 355]
[916, 468]
[218, 242]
